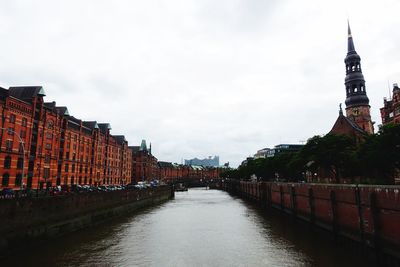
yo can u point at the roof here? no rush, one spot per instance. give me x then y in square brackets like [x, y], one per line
[164, 164]
[120, 139]
[143, 146]
[26, 92]
[104, 127]
[3, 93]
[91, 124]
[62, 111]
[344, 125]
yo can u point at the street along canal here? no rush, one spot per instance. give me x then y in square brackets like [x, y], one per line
[198, 228]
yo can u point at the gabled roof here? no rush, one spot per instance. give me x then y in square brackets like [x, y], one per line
[91, 124]
[120, 139]
[50, 105]
[26, 92]
[344, 125]
[3, 93]
[104, 127]
[62, 111]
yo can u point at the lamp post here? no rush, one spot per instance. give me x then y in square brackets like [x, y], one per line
[23, 151]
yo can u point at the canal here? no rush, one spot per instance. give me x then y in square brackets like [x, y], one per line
[197, 228]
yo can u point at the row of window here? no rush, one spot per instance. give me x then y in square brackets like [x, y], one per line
[7, 163]
[12, 119]
[5, 181]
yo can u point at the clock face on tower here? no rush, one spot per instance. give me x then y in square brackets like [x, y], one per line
[356, 112]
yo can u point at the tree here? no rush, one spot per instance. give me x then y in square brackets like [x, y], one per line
[333, 153]
[380, 154]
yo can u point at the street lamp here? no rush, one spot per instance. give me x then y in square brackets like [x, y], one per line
[23, 150]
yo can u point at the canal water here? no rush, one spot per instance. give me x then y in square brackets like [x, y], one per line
[198, 228]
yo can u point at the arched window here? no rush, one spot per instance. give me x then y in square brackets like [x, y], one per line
[18, 179]
[353, 68]
[20, 163]
[5, 180]
[362, 88]
[7, 162]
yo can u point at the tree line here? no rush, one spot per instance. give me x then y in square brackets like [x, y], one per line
[336, 158]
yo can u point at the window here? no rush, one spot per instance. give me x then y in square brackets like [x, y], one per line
[5, 180]
[12, 118]
[66, 155]
[18, 179]
[49, 135]
[50, 124]
[48, 146]
[22, 134]
[7, 162]
[20, 163]
[73, 168]
[47, 158]
[46, 173]
[10, 131]
[9, 145]
[24, 122]
[21, 148]
[66, 167]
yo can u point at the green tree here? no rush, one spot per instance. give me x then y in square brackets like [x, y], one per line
[334, 153]
[380, 154]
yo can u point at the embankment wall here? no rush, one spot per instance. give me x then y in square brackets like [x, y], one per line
[369, 214]
[27, 220]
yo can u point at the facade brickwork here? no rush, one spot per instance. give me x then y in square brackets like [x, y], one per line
[390, 112]
[56, 148]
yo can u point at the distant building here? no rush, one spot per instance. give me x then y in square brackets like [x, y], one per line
[144, 165]
[207, 162]
[283, 148]
[390, 113]
[262, 153]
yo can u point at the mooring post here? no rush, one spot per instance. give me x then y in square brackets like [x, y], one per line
[375, 226]
[293, 200]
[360, 213]
[334, 213]
[311, 204]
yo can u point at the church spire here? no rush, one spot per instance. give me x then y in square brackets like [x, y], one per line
[357, 102]
[350, 43]
[355, 84]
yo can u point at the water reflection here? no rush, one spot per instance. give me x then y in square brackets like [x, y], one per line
[198, 228]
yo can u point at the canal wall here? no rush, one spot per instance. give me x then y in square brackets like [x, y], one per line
[368, 214]
[28, 220]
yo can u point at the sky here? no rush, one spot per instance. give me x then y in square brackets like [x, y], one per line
[201, 77]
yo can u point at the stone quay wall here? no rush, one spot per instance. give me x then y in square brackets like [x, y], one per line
[368, 214]
[26, 220]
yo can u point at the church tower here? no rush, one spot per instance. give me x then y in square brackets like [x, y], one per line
[357, 102]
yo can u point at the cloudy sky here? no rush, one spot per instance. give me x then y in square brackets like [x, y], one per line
[200, 77]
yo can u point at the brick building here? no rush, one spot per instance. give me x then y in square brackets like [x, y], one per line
[144, 165]
[390, 112]
[42, 145]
